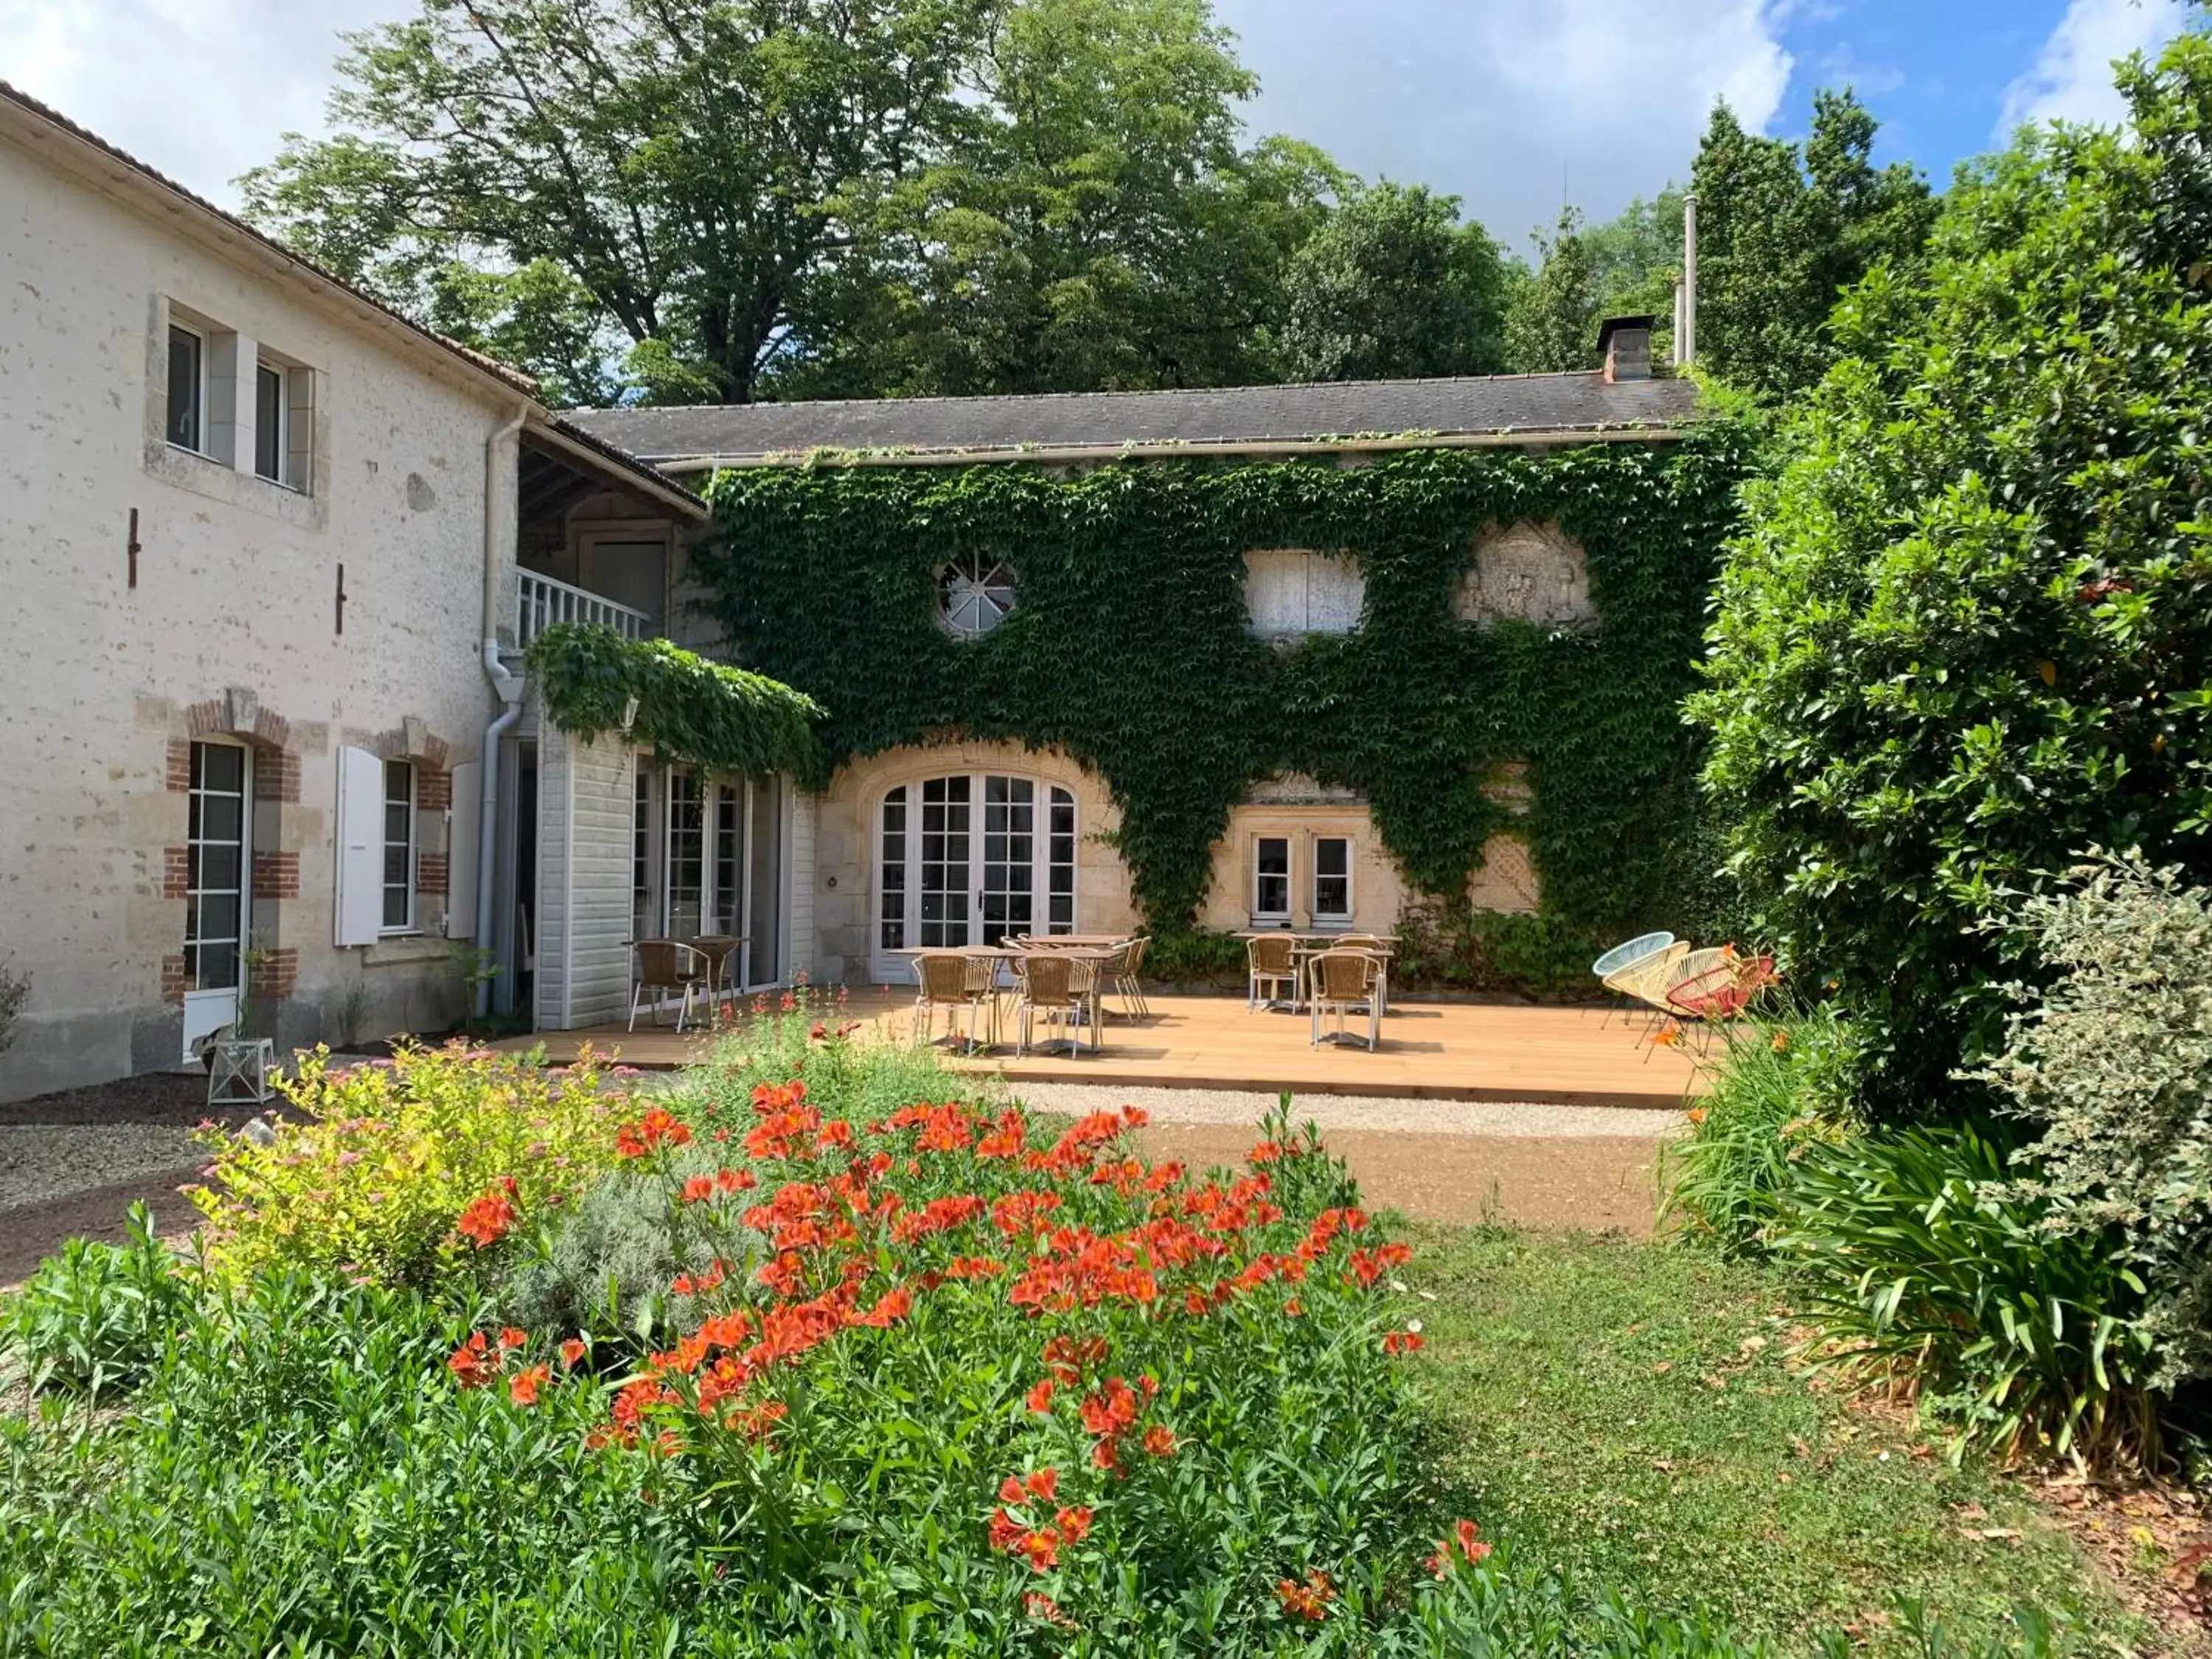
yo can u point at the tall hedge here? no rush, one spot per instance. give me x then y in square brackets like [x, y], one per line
[1968, 631]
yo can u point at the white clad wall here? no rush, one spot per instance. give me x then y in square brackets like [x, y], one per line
[586, 800]
[805, 815]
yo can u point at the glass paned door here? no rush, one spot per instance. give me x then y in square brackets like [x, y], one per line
[218, 858]
[1006, 901]
[686, 859]
[971, 859]
[942, 888]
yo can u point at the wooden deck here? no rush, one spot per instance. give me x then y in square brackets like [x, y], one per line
[1430, 1050]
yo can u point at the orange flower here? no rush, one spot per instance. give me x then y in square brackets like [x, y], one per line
[1294, 1308]
[1044, 1608]
[1042, 1549]
[1043, 1483]
[514, 1336]
[470, 1365]
[1074, 1522]
[522, 1387]
[1696, 1114]
[1781, 1043]
[1465, 1544]
[485, 1222]
[1667, 1036]
[1159, 1441]
[1009, 1490]
[1307, 1601]
[1403, 1342]
[573, 1352]
[698, 1189]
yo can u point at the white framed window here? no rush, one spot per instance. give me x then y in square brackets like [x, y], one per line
[1332, 881]
[971, 858]
[188, 410]
[399, 847]
[1270, 879]
[975, 594]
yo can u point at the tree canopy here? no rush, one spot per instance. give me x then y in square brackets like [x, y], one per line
[1783, 229]
[1394, 285]
[1967, 636]
[703, 199]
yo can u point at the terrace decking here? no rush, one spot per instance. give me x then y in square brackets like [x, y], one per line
[1430, 1050]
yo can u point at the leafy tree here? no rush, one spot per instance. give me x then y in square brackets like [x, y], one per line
[1551, 322]
[719, 199]
[1968, 633]
[1394, 285]
[1636, 259]
[694, 169]
[1100, 223]
[1783, 229]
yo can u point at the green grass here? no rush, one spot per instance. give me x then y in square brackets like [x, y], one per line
[1627, 1411]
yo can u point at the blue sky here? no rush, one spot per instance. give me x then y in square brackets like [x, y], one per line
[1505, 102]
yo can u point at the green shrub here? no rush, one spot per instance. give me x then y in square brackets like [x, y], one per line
[1195, 956]
[1779, 1089]
[98, 1316]
[1964, 635]
[2113, 1065]
[1924, 1268]
[392, 1155]
[1454, 946]
[604, 1262]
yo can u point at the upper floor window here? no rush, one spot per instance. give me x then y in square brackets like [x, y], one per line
[187, 425]
[1289, 593]
[975, 594]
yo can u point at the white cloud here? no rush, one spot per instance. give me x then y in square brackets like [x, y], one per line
[2071, 79]
[1513, 103]
[199, 89]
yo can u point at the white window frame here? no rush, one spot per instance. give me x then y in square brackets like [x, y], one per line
[884, 959]
[279, 431]
[1330, 920]
[385, 927]
[976, 572]
[200, 336]
[1289, 878]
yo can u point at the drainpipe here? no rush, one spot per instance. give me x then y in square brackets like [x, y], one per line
[507, 686]
[1685, 330]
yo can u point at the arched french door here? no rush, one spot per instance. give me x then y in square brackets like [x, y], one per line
[970, 858]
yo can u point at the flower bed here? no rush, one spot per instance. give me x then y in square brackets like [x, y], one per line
[922, 1378]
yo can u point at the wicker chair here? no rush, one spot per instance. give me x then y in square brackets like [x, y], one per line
[721, 951]
[1344, 980]
[1124, 970]
[947, 982]
[1059, 988]
[1270, 960]
[667, 964]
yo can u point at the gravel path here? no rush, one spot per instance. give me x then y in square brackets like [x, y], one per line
[44, 1161]
[1587, 1168]
[1511, 1119]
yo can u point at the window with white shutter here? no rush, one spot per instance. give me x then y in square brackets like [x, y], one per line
[359, 907]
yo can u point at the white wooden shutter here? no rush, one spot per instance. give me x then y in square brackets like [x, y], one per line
[462, 846]
[359, 910]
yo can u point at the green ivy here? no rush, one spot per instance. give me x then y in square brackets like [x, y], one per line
[1128, 647]
[689, 710]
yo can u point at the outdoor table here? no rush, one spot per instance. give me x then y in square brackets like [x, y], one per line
[1305, 947]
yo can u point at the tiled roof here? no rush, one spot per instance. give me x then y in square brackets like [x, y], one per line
[1536, 408]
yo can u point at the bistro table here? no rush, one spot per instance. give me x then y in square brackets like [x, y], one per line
[1306, 944]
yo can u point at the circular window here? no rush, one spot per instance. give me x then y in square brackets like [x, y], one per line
[975, 594]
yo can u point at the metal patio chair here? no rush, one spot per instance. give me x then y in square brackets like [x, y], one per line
[667, 964]
[1271, 959]
[1343, 981]
[948, 982]
[1058, 987]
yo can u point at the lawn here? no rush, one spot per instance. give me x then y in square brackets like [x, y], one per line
[1629, 1411]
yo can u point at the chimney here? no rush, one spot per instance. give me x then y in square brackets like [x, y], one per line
[1686, 291]
[1625, 345]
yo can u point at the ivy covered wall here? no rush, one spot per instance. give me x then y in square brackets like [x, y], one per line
[1129, 646]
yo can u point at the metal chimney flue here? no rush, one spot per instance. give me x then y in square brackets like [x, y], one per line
[1686, 291]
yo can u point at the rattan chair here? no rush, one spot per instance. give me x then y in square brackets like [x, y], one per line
[1056, 987]
[721, 952]
[1343, 981]
[667, 964]
[1124, 971]
[947, 982]
[1270, 960]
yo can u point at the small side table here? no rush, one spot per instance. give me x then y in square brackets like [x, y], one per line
[238, 1075]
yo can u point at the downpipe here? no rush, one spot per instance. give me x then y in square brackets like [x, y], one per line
[508, 687]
